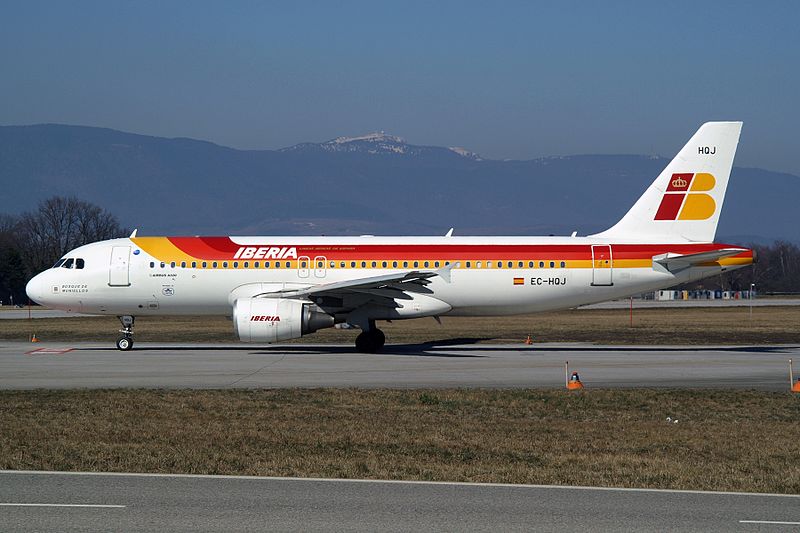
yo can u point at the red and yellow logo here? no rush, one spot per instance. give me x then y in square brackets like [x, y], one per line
[685, 198]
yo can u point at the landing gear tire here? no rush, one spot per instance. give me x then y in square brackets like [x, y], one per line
[124, 343]
[370, 341]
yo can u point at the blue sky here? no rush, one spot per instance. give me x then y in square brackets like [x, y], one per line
[505, 79]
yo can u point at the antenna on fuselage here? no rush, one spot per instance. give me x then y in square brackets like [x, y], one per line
[449, 233]
[134, 233]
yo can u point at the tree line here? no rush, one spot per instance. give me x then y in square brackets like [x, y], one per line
[33, 241]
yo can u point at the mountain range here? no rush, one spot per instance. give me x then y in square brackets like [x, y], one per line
[370, 184]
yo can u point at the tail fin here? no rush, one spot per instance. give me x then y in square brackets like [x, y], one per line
[684, 202]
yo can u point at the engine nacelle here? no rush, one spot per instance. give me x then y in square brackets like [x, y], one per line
[277, 319]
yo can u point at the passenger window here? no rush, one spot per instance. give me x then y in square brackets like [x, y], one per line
[342, 264]
[247, 264]
[79, 263]
[436, 264]
[499, 264]
[277, 264]
[352, 264]
[205, 265]
[172, 265]
[416, 264]
[426, 264]
[374, 264]
[333, 264]
[163, 264]
[266, 264]
[214, 264]
[255, 265]
[236, 264]
[405, 264]
[152, 264]
[477, 264]
[552, 264]
[530, 264]
[384, 264]
[363, 264]
[224, 264]
[194, 264]
[519, 264]
[394, 264]
[303, 264]
[563, 264]
[183, 264]
[541, 264]
[469, 264]
[288, 264]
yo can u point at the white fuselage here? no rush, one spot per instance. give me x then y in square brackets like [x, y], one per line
[489, 276]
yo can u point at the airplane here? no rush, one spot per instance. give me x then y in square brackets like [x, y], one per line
[280, 288]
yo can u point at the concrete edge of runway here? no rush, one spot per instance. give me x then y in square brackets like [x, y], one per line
[397, 482]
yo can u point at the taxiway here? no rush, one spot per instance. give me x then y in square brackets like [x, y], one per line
[95, 365]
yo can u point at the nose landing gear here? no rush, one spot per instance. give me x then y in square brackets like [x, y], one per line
[125, 342]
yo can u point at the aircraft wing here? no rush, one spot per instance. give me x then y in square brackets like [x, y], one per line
[380, 290]
[673, 262]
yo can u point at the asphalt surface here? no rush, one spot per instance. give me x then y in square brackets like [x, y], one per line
[94, 365]
[135, 502]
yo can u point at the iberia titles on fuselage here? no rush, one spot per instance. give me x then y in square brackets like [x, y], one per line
[286, 287]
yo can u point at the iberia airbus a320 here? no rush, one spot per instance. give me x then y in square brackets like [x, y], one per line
[279, 288]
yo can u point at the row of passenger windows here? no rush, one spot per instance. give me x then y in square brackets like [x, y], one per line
[355, 264]
[70, 263]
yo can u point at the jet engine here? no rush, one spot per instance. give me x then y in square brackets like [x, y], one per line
[277, 319]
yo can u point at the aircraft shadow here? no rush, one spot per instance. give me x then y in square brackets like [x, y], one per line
[467, 344]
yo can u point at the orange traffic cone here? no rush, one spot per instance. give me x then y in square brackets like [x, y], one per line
[34, 339]
[574, 382]
[529, 340]
[796, 386]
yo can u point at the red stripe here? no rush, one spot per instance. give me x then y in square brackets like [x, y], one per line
[224, 248]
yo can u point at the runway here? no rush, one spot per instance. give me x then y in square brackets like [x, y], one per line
[94, 365]
[134, 502]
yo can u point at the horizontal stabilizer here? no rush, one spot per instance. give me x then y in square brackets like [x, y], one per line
[672, 262]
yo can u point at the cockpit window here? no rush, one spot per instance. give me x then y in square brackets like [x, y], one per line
[58, 263]
[68, 263]
[79, 263]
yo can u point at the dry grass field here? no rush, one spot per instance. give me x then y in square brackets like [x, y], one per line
[724, 440]
[728, 325]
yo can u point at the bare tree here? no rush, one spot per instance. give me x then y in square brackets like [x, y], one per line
[59, 225]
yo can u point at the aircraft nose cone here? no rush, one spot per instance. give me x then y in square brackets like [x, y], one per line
[34, 289]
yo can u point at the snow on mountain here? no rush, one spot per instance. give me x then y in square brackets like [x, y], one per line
[378, 143]
[463, 152]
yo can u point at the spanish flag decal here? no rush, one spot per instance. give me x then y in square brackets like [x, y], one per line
[519, 281]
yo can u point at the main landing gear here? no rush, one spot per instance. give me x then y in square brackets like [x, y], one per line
[370, 340]
[125, 342]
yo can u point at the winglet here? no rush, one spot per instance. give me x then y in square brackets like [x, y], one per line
[445, 271]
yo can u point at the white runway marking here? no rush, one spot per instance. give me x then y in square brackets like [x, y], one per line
[84, 505]
[399, 482]
[770, 522]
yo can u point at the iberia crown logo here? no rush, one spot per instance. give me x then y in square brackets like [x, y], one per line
[685, 198]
